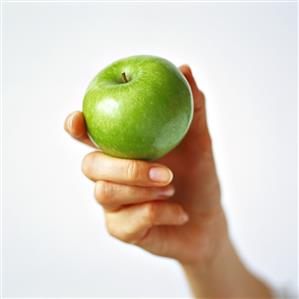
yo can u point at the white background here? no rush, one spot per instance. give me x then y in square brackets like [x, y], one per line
[244, 58]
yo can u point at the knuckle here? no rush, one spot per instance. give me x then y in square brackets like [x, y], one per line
[124, 234]
[102, 192]
[87, 162]
[150, 212]
[178, 209]
[127, 237]
[132, 170]
[110, 229]
[207, 145]
[201, 93]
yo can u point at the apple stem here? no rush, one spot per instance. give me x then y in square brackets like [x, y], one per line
[124, 77]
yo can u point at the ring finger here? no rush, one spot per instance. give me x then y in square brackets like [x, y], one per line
[112, 196]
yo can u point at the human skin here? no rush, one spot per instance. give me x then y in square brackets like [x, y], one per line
[172, 207]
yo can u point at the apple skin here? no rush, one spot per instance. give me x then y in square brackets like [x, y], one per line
[143, 118]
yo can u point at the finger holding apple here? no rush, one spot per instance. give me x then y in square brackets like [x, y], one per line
[99, 166]
[76, 127]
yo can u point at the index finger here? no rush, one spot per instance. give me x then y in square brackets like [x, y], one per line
[100, 167]
[76, 127]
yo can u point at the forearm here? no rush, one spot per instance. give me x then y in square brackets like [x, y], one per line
[225, 277]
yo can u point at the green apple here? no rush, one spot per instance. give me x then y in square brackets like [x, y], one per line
[138, 107]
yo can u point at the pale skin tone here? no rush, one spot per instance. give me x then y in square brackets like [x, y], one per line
[172, 207]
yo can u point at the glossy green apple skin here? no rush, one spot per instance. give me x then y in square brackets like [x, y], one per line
[144, 118]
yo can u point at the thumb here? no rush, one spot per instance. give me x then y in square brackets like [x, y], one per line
[198, 132]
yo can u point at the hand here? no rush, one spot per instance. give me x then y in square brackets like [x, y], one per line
[170, 207]
[175, 212]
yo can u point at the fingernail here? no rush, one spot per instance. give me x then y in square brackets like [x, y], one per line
[183, 217]
[160, 174]
[167, 192]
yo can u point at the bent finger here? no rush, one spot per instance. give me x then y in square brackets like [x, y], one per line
[98, 166]
[113, 196]
[131, 224]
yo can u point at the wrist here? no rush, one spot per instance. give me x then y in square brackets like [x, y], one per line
[224, 276]
[206, 267]
[212, 246]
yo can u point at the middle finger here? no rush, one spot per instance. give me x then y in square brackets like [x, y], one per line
[113, 196]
